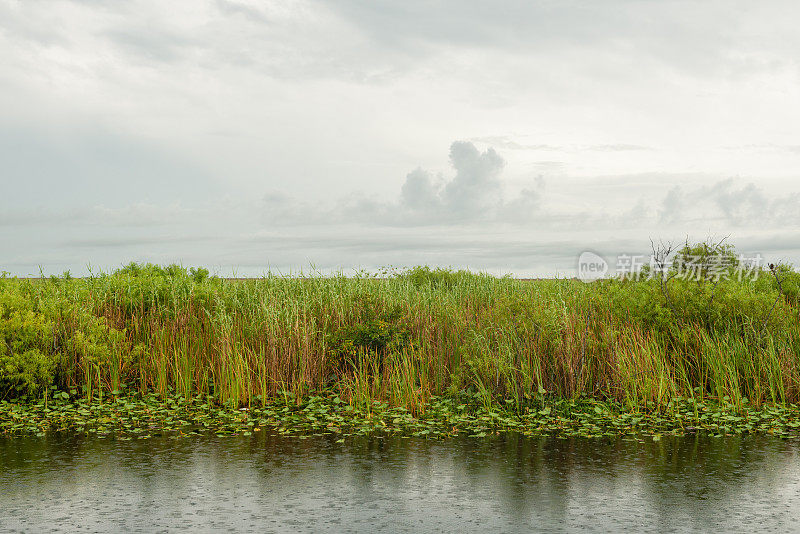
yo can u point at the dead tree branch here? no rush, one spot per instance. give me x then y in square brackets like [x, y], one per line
[661, 255]
[774, 272]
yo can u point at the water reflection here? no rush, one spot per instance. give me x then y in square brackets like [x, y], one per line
[510, 483]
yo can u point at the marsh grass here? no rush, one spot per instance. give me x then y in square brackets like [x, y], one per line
[401, 340]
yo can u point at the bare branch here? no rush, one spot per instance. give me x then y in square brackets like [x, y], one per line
[660, 257]
[780, 294]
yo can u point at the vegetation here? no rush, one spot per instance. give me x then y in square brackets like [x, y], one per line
[406, 341]
[142, 416]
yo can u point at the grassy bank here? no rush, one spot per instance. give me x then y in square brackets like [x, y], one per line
[640, 346]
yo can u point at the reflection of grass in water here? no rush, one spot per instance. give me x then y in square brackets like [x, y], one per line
[530, 484]
[403, 339]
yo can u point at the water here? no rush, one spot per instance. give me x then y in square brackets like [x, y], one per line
[268, 483]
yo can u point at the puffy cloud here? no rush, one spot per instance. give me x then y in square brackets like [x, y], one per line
[473, 195]
[154, 111]
[740, 205]
[473, 192]
[420, 192]
[529, 233]
[729, 202]
[524, 207]
[673, 206]
[476, 186]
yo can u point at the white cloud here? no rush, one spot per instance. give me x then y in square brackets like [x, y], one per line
[147, 129]
[474, 190]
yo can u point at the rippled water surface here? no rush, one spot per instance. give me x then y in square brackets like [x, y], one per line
[267, 483]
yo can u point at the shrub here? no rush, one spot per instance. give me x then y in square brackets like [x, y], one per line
[438, 278]
[27, 364]
[376, 337]
[198, 274]
[27, 373]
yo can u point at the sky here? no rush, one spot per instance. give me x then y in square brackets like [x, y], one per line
[252, 136]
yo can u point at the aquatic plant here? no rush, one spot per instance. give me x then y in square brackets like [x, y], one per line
[402, 339]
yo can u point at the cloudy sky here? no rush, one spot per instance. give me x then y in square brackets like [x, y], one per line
[248, 135]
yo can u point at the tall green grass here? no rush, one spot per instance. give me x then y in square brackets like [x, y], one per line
[401, 339]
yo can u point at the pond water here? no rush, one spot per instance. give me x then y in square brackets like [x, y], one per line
[270, 483]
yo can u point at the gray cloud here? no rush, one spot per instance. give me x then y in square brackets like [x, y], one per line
[421, 192]
[476, 186]
[149, 130]
[473, 191]
[618, 147]
[746, 203]
[49, 167]
[153, 43]
[710, 38]
[673, 207]
[732, 202]
[125, 242]
[508, 142]
[769, 147]
[525, 207]
[474, 196]
[229, 7]
[527, 233]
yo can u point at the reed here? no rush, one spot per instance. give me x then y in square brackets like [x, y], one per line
[401, 339]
